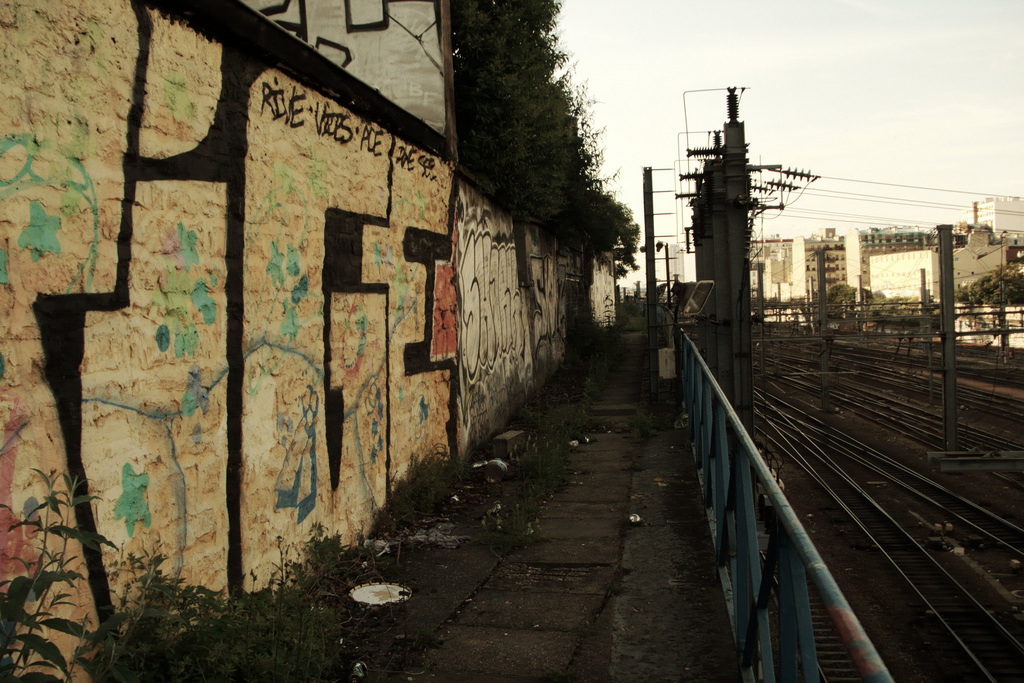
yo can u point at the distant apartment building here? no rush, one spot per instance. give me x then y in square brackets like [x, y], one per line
[899, 274]
[985, 251]
[805, 262]
[976, 253]
[863, 244]
[777, 256]
[998, 213]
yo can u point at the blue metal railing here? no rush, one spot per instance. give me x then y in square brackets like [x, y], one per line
[729, 465]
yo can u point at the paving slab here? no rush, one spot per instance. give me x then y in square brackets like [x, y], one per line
[584, 510]
[460, 677]
[503, 651]
[597, 598]
[619, 476]
[522, 610]
[593, 494]
[572, 551]
[598, 460]
[662, 584]
[575, 527]
[536, 578]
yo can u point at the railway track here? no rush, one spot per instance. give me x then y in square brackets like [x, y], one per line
[985, 523]
[995, 652]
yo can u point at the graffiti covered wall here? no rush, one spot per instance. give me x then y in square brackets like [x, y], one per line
[511, 314]
[602, 288]
[228, 302]
[232, 305]
[392, 45]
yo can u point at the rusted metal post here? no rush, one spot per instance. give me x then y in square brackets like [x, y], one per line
[949, 403]
[926, 325]
[760, 312]
[823, 331]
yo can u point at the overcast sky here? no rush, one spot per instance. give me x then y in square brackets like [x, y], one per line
[905, 92]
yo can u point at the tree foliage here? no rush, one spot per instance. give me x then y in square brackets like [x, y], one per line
[986, 290]
[525, 130]
[841, 294]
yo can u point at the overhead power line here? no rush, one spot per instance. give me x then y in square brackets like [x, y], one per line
[915, 187]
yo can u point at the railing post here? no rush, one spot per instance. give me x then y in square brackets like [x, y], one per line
[730, 466]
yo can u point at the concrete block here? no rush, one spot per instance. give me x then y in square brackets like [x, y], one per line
[509, 442]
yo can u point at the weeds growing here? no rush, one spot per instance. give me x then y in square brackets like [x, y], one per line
[427, 483]
[164, 629]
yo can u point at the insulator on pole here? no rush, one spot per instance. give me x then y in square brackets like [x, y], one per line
[733, 105]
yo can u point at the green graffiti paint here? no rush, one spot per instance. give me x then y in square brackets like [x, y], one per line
[274, 265]
[179, 295]
[421, 204]
[40, 237]
[189, 253]
[163, 338]
[202, 301]
[318, 177]
[132, 506]
[186, 341]
[69, 202]
[3, 366]
[70, 175]
[294, 266]
[176, 97]
[290, 325]
[81, 145]
[300, 290]
[4, 280]
[285, 176]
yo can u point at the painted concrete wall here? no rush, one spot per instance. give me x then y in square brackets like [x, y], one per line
[233, 305]
[602, 288]
[511, 314]
[219, 291]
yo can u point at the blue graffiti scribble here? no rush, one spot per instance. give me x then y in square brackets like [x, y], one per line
[288, 494]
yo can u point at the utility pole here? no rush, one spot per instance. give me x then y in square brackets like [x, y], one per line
[926, 324]
[861, 323]
[652, 281]
[760, 311]
[949, 403]
[738, 205]
[823, 332]
[723, 210]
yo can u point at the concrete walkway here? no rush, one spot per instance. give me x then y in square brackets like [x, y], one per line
[600, 599]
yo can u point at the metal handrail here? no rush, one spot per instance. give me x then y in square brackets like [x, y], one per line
[726, 457]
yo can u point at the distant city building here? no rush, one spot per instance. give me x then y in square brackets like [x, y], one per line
[777, 256]
[998, 213]
[899, 274]
[977, 252]
[805, 262]
[985, 251]
[863, 244]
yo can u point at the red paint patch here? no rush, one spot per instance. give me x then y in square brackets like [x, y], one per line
[444, 343]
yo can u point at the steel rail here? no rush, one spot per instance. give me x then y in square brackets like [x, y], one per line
[996, 652]
[998, 529]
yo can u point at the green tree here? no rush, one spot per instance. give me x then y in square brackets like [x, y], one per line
[525, 130]
[986, 290]
[841, 294]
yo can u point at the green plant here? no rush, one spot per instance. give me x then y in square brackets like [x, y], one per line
[507, 530]
[428, 482]
[642, 425]
[288, 631]
[33, 605]
[426, 639]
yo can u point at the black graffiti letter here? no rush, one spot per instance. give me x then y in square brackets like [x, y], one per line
[275, 99]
